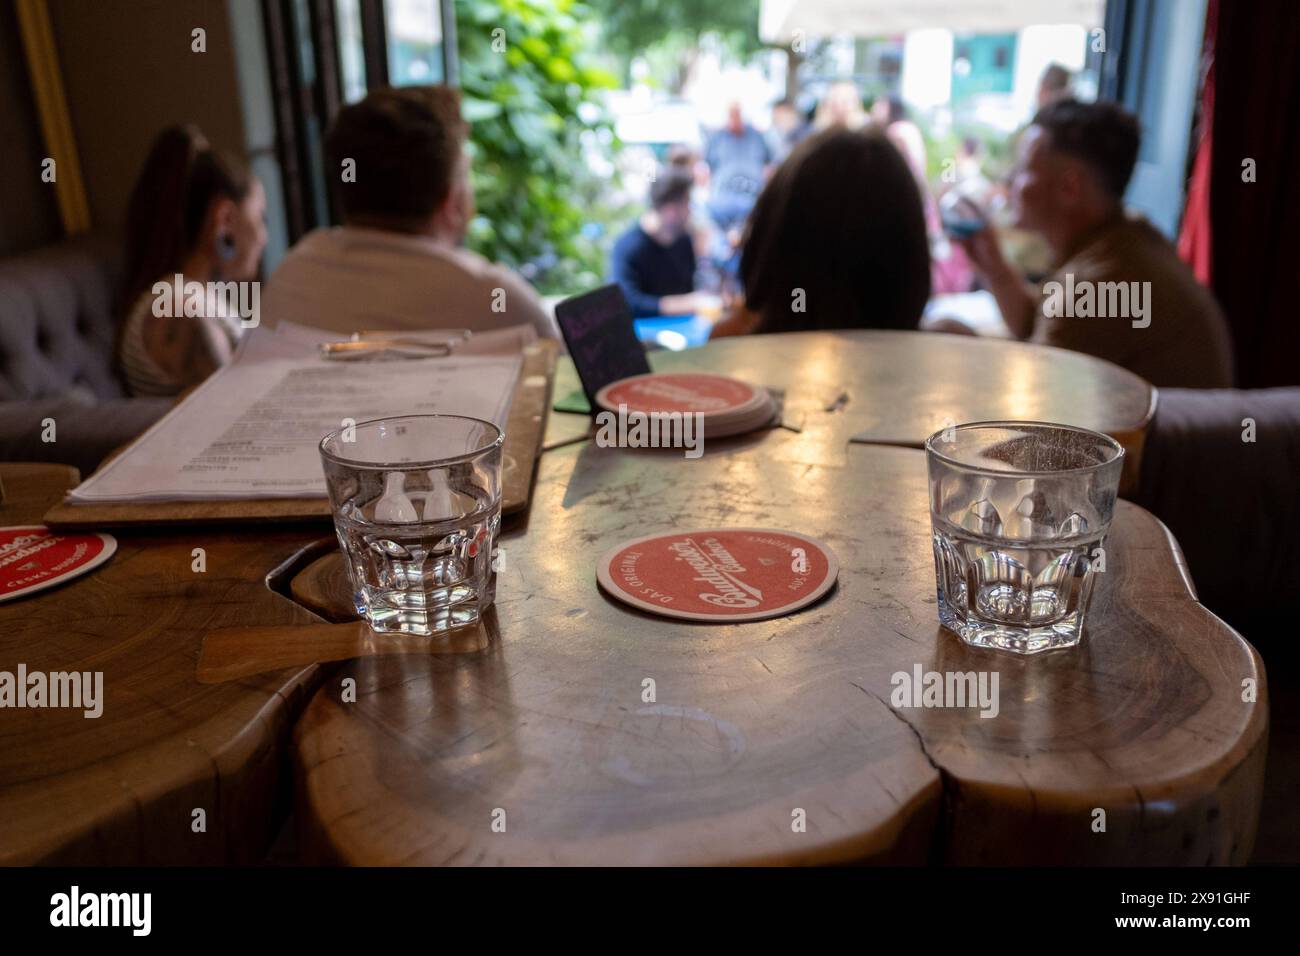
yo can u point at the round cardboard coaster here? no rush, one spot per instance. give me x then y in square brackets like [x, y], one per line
[32, 558]
[711, 395]
[721, 575]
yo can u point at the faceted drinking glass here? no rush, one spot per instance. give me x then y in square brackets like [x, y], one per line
[1019, 512]
[417, 505]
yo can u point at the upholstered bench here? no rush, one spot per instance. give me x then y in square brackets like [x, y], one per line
[56, 358]
[1233, 504]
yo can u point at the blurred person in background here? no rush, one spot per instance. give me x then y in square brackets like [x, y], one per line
[788, 130]
[841, 107]
[738, 157]
[950, 271]
[654, 261]
[195, 215]
[1053, 85]
[1026, 249]
[684, 160]
[970, 178]
[398, 262]
[1075, 163]
[836, 241]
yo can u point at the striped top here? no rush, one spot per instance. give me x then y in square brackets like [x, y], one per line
[145, 376]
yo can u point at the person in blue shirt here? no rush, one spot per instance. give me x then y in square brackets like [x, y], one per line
[654, 260]
[738, 158]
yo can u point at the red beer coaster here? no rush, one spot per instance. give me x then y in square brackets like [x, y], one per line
[719, 575]
[682, 392]
[32, 558]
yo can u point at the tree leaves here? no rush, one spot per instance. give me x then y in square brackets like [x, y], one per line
[526, 70]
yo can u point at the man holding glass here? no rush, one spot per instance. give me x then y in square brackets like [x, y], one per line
[1075, 163]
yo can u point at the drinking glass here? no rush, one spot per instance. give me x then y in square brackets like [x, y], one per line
[417, 505]
[1019, 511]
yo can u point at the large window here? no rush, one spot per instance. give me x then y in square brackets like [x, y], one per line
[326, 53]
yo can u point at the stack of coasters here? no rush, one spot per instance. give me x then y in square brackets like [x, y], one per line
[728, 405]
[719, 575]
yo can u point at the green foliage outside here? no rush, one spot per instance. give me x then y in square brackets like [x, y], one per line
[527, 67]
[533, 74]
[996, 157]
[667, 32]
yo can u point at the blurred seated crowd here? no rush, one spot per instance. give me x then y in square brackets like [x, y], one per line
[823, 222]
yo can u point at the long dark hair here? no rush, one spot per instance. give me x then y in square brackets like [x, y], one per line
[841, 220]
[180, 178]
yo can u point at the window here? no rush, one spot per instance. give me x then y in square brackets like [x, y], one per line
[414, 42]
[323, 54]
[352, 51]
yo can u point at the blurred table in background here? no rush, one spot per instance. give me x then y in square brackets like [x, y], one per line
[977, 310]
[899, 388]
[674, 332]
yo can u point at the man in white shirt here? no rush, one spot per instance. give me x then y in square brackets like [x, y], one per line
[403, 187]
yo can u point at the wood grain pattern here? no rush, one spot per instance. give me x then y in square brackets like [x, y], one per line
[524, 431]
[121, 788]
[538, 712]
[753, 722]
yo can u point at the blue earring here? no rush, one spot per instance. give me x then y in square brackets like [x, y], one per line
[225, 247]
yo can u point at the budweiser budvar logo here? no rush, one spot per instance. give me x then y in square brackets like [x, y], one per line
[722, 575]
[714, 566]
[687, 396]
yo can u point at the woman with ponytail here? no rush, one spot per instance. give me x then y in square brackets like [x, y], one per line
[195, 216]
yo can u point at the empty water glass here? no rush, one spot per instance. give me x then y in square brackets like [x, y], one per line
[1019, 511]
[417, 506]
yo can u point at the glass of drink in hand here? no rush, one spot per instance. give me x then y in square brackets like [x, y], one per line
[1019, 512]
[417, 505]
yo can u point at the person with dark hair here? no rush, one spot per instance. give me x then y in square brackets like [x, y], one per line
[837, 240]
[196, 215]
[654, 260]
[1053, 85]
[1119, 290]
[401, 179]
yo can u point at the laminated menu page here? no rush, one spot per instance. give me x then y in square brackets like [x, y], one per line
[252, 430]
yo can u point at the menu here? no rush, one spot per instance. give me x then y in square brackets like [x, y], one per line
[598, 330]
[253, 429]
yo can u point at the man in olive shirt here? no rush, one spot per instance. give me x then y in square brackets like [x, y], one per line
[1120, 292]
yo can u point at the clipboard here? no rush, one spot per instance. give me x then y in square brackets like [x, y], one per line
[525, 427]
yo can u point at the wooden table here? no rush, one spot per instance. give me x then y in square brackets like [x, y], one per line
[122, 788]
[540, 713]
[538, 718]
[899, 388]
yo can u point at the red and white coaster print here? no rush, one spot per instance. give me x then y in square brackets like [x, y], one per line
[721, 575]
[32, 558]
[689, 392]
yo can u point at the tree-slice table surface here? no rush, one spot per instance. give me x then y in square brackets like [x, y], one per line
[901, 387]
[124, 787]
[776, 741]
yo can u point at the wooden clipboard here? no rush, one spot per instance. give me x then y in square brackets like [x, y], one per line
[524, 430]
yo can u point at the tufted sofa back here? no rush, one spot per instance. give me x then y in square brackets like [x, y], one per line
[56, 322]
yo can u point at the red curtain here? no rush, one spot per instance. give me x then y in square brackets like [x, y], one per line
[1195, 241]
[1253, 157]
